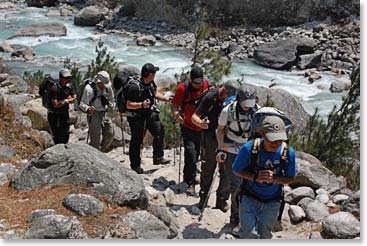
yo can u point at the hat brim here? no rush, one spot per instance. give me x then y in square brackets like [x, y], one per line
[276, 136]
[248, 103]
[67, 75]
[197, 80]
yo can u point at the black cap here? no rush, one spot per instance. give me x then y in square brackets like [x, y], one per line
[148, 68]
[197, 75]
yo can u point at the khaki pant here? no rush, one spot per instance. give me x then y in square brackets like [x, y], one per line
[99, 123]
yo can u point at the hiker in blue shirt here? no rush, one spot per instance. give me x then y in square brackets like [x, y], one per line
[265, 165]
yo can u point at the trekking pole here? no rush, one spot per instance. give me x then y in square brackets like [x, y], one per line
[122, 132]
[174, 147]
[179, 167]
[210, 189]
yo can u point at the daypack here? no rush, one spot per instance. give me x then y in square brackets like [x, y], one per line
[82, 89]
[45, 90]
[260, 115]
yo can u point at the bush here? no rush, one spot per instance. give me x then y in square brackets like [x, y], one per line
[34, 79]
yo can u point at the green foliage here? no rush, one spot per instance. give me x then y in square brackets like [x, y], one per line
[34, 78]
[76, 77]
[172, 129]
[103, 62]
[336, 141]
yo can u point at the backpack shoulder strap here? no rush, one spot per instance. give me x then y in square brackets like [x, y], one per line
[94, 87]
[255, 150]
[186, 90]
[284, 157]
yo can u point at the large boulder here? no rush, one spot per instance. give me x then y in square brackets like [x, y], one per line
[340, 85]
[15, 84]
[285, 102]
[36, 214]
[296, 195]
[83, 205]
[309, 61]
[55, 227]
[148, 40]
[143, 225]
[26, 53]
[128, 70]
[283, 54]
[90, 16]
[315, 176]
[54, 29]
[316, 211]
[37, 113]
[83, 164]
[341, 225]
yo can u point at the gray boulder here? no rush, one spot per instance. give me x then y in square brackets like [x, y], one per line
[296, 213]
[340, 198]
[6, 152]
[340, 85]
[323, 198]
[149, 40]
[315, 235]
[316, 211]
[4, 47]
[3, 77]
[90, 16]
[54, 29]
[15, 84]
[143, 225]
[307, 157]
[7, 5]
[285, 102]
[26, 53]
[37, 113]
[297, 194]
[282, 54]
[164, 215]
[7, 168]
[309, 61]
[55, 227]
[341, 225]
[36, 214]
[315, 176]
[128, 70]
[3, 178]
[49, 142]
[83, 205]
[83, 164]
[17, 100]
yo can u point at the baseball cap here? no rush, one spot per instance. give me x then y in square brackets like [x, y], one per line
[148, 68]
[197, 75]
[102, 76]
[246, 97]
[65, 73]
[274, 128]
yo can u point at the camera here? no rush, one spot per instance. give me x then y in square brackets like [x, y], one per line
[155, 109]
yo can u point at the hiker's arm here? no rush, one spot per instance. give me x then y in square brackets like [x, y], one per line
[84, 101]
[202, 123]
[58, 104]
[284, 180]
[137, 105]
[220, 136]
[161, 97]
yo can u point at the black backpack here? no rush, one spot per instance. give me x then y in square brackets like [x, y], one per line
[81, 91]
[121, 84]
[188, 90]
[45, 90]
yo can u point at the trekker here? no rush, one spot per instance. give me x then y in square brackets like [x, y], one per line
[183, 107]
[61, 95]
[96, 101]
[264, 175]
[143, 115]
[206, 117]
[234, 129]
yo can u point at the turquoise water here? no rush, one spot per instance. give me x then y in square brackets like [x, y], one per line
[80, 42]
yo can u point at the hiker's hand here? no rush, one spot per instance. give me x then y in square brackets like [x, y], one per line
[265, 176]
[221, 157]
[91, 110]
[204, 123]
[146, 103]
[180, 119]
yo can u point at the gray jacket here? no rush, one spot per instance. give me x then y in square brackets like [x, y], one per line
[97, 104]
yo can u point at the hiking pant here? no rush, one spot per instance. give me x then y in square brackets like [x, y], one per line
[257, 218]
[191, 141]
[230, 185]
[138, 125]
[59, 125]
[99, 123]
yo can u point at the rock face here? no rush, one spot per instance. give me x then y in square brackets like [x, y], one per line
[283, 54]
[143, 225]
[89, 16]
[49, 29]
[55, 227]
[83, 164]
[83, 204]
[341, 225]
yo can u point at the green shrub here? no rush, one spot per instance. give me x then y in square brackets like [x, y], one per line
[34, 79]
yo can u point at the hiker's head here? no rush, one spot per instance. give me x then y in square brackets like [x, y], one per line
[246, 97]
[65, 76]
[148, 72]
[273, 131]
[197, 77]
[102, 79]
[229, 88]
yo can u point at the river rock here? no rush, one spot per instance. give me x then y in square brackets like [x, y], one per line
[299, 193]
[315, 176]
[323, 198]
[341, 225]
[143, 225]
[54, 29]
[36, 214]
[53, 13]
[83, 205]
[316, 211]
[90, 16]
[4, 47]
[337, 199]
[321, 191]
[282, 54]
[309, 61]
[149, 40]
[83, 164]
[340, 85]
[296, 213]
[56, 227]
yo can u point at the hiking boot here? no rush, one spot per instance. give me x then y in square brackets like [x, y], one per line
[190, 190]
[138, 170]
[161, 161]
[222, 205]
